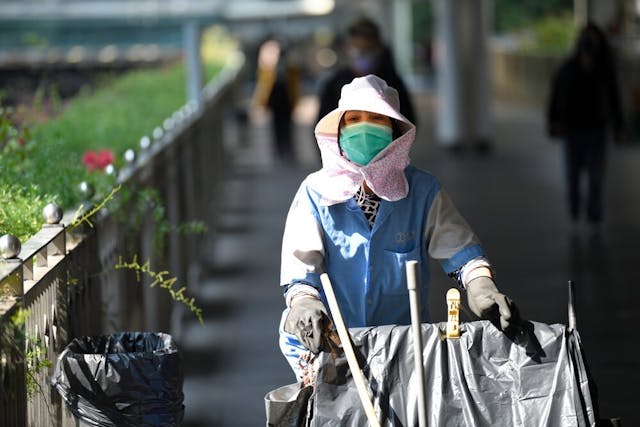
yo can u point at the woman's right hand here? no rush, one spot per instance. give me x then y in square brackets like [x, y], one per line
[308, 321]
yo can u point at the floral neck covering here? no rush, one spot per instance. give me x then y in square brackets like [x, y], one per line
[339, 179]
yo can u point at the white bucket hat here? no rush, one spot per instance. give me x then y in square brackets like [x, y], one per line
[368, 93]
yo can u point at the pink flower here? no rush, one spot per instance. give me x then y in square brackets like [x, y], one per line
[90, 160]
[97, 160]
[105, 157]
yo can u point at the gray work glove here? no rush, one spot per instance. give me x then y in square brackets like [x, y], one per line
[308, 320]
[486, 302]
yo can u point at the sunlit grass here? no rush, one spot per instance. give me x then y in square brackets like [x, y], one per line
[114, 116]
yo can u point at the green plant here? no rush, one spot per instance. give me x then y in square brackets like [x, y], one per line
[21, 210]
[160, 279]
[42, 163]
[34, 39]
[36, 362]
[512, 15]
[27, 350]
[553, 34]
[147, 201]
[81, 217]
[136, 206]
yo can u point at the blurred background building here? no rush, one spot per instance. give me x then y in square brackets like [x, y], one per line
[481, 48]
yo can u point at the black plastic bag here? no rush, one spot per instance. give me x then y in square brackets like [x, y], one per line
[288, 406]
[124, 379]
[484, 378]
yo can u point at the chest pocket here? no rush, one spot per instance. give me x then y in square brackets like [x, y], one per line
[393, 276]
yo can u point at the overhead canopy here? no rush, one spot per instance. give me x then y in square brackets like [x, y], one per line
[166, 10]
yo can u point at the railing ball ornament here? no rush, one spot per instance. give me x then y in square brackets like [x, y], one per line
[9, 246]
[52, 213]
[158, 132]
[192, 106]
[145, 142]
[130, 156]
[86, 190]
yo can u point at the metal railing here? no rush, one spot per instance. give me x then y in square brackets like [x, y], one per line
[64, 280]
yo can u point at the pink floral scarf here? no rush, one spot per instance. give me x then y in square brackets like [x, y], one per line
[339, 178]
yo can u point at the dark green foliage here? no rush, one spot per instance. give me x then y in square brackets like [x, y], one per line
[512, 15]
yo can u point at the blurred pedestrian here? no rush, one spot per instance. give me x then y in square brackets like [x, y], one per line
[367, 54]
[584, 106]
[278, 90]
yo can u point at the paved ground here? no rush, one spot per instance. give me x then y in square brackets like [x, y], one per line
[513, 198]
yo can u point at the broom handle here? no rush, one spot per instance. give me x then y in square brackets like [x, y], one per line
[345, 339]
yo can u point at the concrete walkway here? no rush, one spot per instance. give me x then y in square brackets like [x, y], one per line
[514, 199]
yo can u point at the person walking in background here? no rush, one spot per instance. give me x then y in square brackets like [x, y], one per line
[367, 54]
[278, 89]
[584, 106]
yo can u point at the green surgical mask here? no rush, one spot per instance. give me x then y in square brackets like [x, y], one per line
[361, 142]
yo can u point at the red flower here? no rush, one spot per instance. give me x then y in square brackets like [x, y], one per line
[90, 160]
[105, 157]
[97, 160]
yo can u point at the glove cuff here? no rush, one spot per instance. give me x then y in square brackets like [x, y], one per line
[482, 284]
[298, 290]
[479, 266]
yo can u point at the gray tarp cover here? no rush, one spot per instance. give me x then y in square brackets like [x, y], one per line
[125, 379]
[482, 379]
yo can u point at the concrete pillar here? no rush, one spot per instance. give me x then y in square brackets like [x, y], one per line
[479, 71]
[611, 15]
[580, 12]
[191, 38]
[450, 126]
[463, 72]
[402, 36]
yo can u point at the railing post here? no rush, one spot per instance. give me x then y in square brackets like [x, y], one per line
[13, 391]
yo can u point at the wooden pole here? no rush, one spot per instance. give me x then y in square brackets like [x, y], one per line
[345, 338]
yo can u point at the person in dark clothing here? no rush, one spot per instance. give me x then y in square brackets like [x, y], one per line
[584, 106]
[367, 54]
[281, 103]
[277, 89]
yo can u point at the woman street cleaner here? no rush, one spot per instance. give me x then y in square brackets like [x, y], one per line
[361, 217]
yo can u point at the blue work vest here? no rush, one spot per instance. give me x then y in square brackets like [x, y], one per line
[367, 265]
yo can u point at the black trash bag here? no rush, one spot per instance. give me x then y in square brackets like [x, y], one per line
[287, 406]
[484, 378]
[124, 379]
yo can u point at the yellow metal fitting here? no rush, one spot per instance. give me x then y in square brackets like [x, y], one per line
[453, 310]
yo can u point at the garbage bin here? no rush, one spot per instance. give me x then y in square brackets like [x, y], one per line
[124, 379]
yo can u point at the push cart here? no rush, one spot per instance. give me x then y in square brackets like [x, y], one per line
[537, 377]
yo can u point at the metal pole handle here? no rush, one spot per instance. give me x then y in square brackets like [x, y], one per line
[416, 330]
[571, 305]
